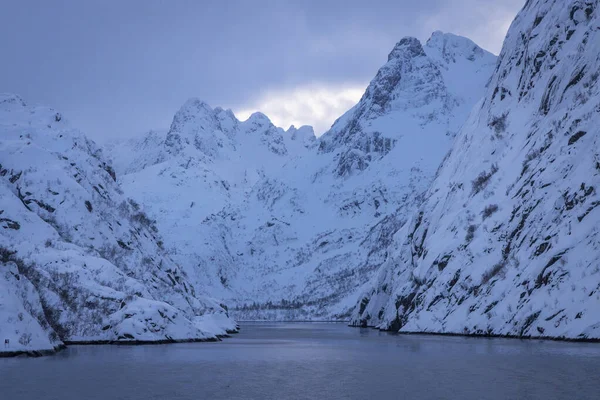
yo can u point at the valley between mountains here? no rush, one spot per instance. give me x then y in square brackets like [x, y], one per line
[458, 196]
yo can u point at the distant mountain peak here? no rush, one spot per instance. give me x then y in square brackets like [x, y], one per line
[196, 125]
[259, 119]
[304, 128]
[221, 111]
[450, 47]
[194, 104]
[408, 47]
[305, 134]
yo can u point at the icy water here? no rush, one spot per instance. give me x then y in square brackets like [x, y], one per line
[312, 361]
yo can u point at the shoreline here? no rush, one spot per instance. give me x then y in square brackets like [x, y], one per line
[416, 333]
[333, 321]
[218, 338]
[485, 335]
[67, 343]
[32, 353]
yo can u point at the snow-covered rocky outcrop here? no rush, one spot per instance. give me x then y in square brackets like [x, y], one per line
[418, 100]
[286, 226]
[78, 260]
[507, 241]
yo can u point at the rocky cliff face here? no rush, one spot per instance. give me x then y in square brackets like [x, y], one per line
[78, 260]
[422, 92]
[507, 240]
[286, 226]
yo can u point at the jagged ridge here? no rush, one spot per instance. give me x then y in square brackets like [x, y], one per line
[289, 229]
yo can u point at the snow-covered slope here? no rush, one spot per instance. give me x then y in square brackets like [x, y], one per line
[149, 151]
[420, 94]
[286, 226]
[207, 160]
[78, 261]
[507, 241]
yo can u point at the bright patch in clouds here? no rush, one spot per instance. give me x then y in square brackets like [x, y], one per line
[316, 105]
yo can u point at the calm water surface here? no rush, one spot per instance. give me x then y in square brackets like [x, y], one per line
[312, 361]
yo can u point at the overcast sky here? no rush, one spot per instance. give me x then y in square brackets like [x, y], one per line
[120, 67]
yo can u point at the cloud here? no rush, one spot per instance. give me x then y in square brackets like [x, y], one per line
[314, 104]
[149, 56]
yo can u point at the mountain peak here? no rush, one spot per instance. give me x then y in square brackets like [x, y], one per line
[192, 109]
[451, 47]
[195, 125]
[259, 118]
[228, 112]
[407, 47]
[305, 133]
[195, 106]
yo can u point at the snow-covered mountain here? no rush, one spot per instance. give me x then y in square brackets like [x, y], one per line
[507, 241]
[362, 223]
[286, 226]
[78, 260]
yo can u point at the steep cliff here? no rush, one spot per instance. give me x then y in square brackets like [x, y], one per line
[507, 240]
[78, 260]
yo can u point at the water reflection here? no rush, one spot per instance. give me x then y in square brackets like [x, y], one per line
[312, 361]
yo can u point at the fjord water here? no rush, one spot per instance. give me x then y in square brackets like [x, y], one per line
[312, 361]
